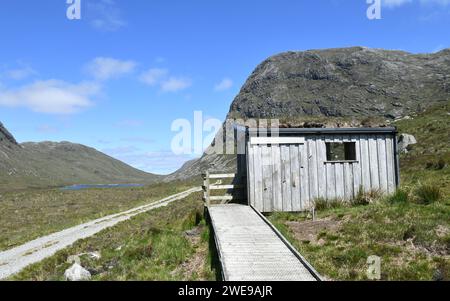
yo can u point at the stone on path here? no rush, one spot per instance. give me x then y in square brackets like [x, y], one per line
[77, 273]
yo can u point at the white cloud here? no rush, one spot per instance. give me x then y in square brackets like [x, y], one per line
[439, 2]
[175, 84]
[398, 3]
[395, 3]
[50, 96]
[225, 84]
[20, 73]
[105, 15]
[163, 79]
[104, 68]
[153, 76]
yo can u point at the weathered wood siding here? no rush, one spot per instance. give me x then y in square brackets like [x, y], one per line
[289, 177]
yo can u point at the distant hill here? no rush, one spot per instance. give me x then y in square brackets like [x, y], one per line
[50, 164]
[333, 86]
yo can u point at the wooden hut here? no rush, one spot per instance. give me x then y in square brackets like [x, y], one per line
[288, 172]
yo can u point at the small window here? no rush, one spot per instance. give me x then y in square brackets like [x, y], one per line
[341, 151]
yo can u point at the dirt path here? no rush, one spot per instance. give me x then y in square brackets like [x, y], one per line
[14, 260]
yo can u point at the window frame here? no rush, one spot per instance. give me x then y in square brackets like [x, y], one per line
[352, 158]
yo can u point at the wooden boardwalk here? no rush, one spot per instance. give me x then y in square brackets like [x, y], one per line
[250, 249]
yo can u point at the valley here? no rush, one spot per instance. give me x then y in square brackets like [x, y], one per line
[334, 88]
[27, 215]
[56, 164]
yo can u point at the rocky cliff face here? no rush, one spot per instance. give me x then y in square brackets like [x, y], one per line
[322, 85]
[5, 135]
[344, 82]
[195, 168]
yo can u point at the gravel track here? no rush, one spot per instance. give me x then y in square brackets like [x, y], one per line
[14, 260]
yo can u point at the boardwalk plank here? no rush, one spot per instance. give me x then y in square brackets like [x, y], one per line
[250, 250]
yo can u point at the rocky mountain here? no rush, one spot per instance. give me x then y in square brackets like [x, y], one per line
[344, 82]
[195, 168]
[50, 164]
[334, 86]
[6, 136]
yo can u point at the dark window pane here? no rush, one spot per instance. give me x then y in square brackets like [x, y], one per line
[350, 151]
[335, 152]
[341, 151]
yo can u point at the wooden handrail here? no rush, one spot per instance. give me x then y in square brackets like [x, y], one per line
[208, 186]
[221, 176]
[222, 187]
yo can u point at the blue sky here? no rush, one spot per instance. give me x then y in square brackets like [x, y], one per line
[116, 79]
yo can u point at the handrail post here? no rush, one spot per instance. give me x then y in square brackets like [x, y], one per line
[206, 190]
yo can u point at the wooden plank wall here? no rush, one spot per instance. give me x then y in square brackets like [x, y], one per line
[290, 177]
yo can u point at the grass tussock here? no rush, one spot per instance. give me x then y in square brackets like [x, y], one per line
[323, 204]
[364, 198]
[400, 196]
[428, 194]
[440, 164]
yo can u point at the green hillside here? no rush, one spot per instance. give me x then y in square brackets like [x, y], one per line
[429, 159]
[51, 164]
